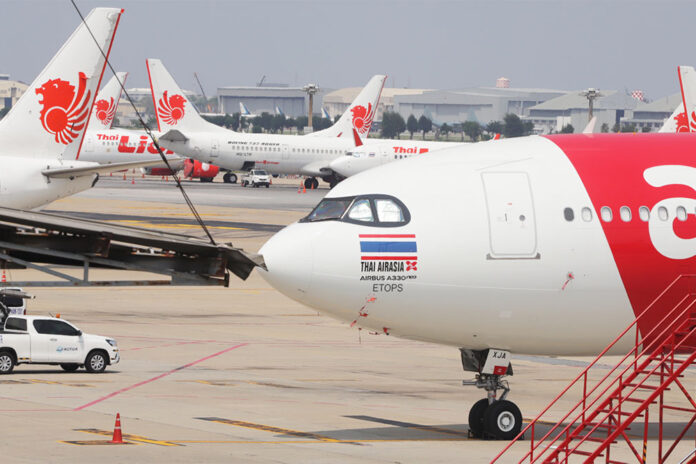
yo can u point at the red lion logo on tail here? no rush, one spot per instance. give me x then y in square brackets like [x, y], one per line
[171, 109]
[683, 124]
[64, 112]
[362, 118]
[105, 111]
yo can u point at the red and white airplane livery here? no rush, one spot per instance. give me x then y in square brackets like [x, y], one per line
[547, 245]
[41, 137]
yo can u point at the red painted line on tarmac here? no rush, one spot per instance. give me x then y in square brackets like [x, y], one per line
[165, 374]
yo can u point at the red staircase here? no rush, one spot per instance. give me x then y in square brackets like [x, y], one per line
[644, 381]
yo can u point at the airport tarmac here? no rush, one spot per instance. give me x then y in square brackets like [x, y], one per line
[242, 374]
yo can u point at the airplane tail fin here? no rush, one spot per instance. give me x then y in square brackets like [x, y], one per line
[172, 108]
[51, 117]
[325, 114]
[243, 110]
[589, 128]
[278, 111]
[680, 120]
[107, 102]
[360, 113]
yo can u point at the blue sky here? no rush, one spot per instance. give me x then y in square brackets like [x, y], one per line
[419, 44]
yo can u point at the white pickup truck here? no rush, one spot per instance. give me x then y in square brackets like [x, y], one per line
[256, 177]
[49, 340]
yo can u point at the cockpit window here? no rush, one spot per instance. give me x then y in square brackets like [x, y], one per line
[373, 210]
[388, 211]
[329, 208]
[361, 211]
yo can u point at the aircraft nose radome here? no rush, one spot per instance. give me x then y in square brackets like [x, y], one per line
[289, 259]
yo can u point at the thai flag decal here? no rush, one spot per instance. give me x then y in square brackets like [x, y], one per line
[389, 252]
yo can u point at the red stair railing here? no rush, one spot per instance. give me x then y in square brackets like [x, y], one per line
[644, 352]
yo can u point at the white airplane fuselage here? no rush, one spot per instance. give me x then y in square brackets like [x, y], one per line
[514, 254]
[23, 186]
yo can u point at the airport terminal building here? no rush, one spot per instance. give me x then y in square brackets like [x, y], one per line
[292, 101]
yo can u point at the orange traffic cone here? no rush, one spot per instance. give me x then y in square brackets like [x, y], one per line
[304, 188]
[117, 438]
[124, 176]
[133, 181]
[4, 277]
[111, 174]
[299, 189]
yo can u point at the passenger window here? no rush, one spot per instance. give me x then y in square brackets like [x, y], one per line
[361, 211]
[662, 213]
[625, 213]
[681, 213]
[606, 214]
[568, 214]
[586, 214]
[51, 327]
[388, 211]
[644, 213]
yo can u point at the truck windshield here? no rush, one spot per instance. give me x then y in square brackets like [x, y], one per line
[328, 209]
[260, 173]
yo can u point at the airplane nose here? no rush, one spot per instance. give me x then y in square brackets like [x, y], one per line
[289, 259]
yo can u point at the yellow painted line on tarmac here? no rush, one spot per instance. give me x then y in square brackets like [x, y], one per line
[313, 442]
[270, 428]
[93, 442]
[146, 224]
[127, 436]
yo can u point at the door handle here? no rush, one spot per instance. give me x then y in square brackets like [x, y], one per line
[54, 339]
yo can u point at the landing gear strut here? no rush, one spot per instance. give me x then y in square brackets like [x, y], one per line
[493, 417]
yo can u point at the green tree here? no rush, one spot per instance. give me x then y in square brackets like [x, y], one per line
[424, 125]
[513, 126]
[300, 122]
[628, 128]
[605, 128]
[255, 129]
[495, 127]
[567, 129]
[616, 128]
[446, 129]
[290, 123]
[646, 129]
[472, 129]
[278, 123]
[319, 123]
[392, 125]
[412, 125]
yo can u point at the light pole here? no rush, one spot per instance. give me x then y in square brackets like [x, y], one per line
[591, 95]
[310, 89]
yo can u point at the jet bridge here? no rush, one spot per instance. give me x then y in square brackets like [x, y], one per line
[49, 242]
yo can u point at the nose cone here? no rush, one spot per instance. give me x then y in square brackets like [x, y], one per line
[289, 259]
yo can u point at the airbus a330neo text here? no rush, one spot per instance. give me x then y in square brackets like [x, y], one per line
[547, 245]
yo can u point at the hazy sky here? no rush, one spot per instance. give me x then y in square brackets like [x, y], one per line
[419, 44]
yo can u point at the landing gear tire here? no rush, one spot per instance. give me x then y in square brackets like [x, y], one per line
[229, 178]
[476, 418]
[502, 420]
[70, 367]
[308, 182]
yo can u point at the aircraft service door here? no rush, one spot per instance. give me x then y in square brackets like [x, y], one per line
[286, 152]
[214, 148]
[511, 221]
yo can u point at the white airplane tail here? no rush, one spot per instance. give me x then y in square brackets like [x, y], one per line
[172, 108]
[51, 117]
[325, 114]
[107, 102]
[243, 110]
[278, 111]
[360, 113]
[680, 120]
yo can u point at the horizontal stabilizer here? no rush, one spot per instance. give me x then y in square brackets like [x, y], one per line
[82, 170]
[174, 136]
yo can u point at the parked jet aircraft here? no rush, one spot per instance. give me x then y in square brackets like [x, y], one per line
[186, 133]
[105, 145]
[547, 245]
[41, 136]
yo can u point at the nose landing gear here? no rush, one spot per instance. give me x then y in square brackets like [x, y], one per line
[493, 417]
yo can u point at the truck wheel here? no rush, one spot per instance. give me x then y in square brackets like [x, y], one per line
[7, 362]
[95, 362]
[70, 367]
[268, 185]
